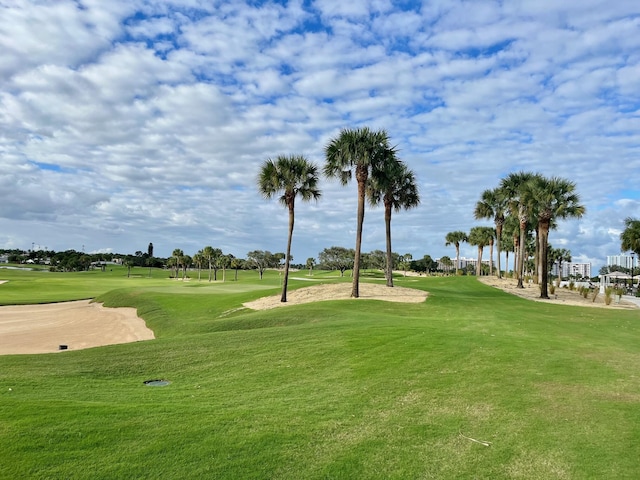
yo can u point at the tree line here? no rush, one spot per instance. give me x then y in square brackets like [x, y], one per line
[524, 206]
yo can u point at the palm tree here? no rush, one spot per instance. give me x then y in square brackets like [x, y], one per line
[559, 255]
[516, 187]
[208, 253]
[493, 204]
[446, 263]
[310, 264]
[455, 238]
[199, 260]
[481, 237]
[357, 149]
[236, 264]
[395, 185]
[186, 264]
[551, 199]
[177, 255]
[406, 261]
[224, 261]
[630, 237]
[294, 176]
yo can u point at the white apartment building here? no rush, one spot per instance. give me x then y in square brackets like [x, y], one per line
[464, 262]
[570, 269]
[626, 261]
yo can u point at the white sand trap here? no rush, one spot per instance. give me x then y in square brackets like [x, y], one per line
[79, 325]
[340, 291]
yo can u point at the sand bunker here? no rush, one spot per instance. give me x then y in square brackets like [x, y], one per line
[562, 296]
[340, 291]
[79, 325]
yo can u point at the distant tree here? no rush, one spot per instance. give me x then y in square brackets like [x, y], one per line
[337, 258]
[376, 260]
[224, 262]
[481, 237]
[310, 264]
[261, 260]
[456, 238]
[237, 264]
[128, 262]
[207, 255]
[425, 264]
[447, 263]
[187, 261]
[199, 261]
[561, 255]
[177, 257]
[149, 264]
[150, 250]
[405, 262]
[494, 205]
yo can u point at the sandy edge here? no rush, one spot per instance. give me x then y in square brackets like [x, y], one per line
[79, 325]
[340, 291]
[561, 296]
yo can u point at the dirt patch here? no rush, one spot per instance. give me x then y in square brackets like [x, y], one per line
[561, 296]
[340, 291]
[79, 325]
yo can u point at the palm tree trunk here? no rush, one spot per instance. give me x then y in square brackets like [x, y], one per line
[521, 252]
[516, 252]
[538, 255]
[498, 235]
[559, 272]
[387, 221]
[361, 177]
[506, 261]
[479, 265]
[491, 258]
[457, 258]
[543, 231]
[286, 260]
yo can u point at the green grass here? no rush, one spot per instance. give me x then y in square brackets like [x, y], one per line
[337, 389]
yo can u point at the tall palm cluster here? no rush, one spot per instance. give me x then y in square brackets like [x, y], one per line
[524, 208]
[380, 175]
[523, 203]
[212, 258]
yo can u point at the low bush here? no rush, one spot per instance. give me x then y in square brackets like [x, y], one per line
[608, 295]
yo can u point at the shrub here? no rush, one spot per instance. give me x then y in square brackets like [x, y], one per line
[552, 288]
[595, 295]
[572, 285]
[608, 294]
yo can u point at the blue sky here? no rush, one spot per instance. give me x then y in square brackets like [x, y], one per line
[129, 122]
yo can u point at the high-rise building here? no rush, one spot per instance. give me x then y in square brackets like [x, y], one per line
[621, 260]
[575, 270]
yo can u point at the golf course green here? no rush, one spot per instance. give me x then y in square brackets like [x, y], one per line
[472, 383]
